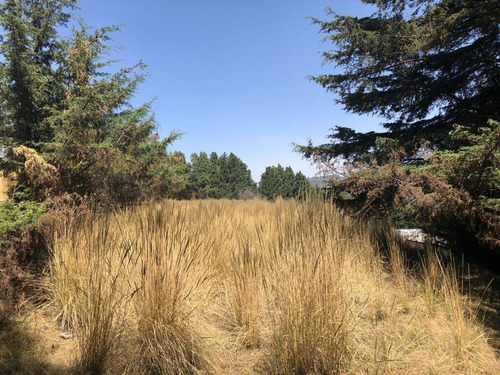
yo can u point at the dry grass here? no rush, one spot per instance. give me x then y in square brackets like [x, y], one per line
[180, 287]
[27, 347]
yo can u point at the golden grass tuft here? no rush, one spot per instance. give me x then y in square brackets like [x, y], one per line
[183, 287]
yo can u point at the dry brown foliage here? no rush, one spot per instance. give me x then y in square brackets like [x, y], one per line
[6, 183]
[42, 176]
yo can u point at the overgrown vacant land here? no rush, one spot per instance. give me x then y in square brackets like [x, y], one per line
[233, 287]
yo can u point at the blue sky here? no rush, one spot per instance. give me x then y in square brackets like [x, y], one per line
[232, 74]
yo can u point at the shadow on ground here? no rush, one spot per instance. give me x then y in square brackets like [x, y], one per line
[23, 351]
[483, 286]
[478, 278]
[477, 268]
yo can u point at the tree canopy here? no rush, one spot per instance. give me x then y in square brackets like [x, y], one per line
[424, 65]
[432, 69]
[277, 181]
[214, 176]
[60, 101]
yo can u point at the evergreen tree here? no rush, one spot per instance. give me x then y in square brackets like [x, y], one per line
[224, 176]
[215, 171]
[235, 176]
[277, 181]
[432, 68]
[61, 101]
[202, 175]
[425, 65]
[300, 183]
[30, 83]
[271, 182]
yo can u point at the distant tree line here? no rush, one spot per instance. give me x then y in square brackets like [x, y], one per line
[68, 128]
[227, 176]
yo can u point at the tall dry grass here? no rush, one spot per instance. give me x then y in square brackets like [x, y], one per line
[179, 287]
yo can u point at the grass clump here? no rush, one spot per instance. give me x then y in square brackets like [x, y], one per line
[193, 287]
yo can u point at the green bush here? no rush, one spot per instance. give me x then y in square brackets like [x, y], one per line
[16, 217]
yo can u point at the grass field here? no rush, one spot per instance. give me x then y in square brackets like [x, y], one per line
[235, 287]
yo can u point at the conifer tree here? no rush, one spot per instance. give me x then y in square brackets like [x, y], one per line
[224, 176]
[30, 82]
[277, 181]
[424, 65]
[432, 69]
[59, 99]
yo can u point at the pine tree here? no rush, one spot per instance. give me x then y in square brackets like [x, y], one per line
[225, 176]
[60, 100]
[432, 69]
[201, 175]
[277, 181]
[424, 65]
[235, 176]
[30, 85]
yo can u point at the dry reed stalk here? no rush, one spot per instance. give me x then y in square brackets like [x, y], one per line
[161, 288]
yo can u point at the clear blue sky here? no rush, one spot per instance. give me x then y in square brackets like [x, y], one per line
[232, 74]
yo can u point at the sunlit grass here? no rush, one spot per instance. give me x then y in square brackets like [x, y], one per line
[173, 287]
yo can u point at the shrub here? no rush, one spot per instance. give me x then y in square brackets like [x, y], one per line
[451, 192]
[16, 217]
